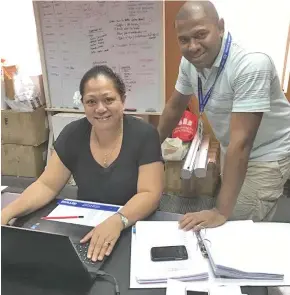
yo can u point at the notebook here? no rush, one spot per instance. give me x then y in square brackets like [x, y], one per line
[244, 250]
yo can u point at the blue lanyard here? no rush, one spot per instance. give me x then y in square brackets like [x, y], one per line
[204, 99]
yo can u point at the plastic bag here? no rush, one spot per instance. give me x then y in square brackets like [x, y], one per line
[173, 149]
[186, 127]
[24, 88]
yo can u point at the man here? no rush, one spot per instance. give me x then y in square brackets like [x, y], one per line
[246, 108]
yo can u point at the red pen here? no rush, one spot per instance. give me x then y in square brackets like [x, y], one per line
[61, 217]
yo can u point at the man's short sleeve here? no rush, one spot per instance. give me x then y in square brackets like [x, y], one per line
[183, 83]
[150, 150]
[63, 147]
[252, 83]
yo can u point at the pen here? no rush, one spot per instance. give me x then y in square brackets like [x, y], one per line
[61, 217]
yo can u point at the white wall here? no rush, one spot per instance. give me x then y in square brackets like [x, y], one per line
[18, 35]
[259, 24]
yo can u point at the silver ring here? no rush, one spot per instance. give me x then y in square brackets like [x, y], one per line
[107, 243]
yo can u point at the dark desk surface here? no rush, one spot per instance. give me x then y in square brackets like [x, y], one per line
[118, 265]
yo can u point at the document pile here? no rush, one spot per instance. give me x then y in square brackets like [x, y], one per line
[244, 250]
[238, 252]
[166, 233]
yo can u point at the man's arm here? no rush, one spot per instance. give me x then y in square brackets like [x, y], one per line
[251, 82]
[172, 113]
[243, 130]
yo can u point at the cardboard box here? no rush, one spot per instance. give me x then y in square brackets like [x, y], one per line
[193, 187]
[23, 160]
[25, 128]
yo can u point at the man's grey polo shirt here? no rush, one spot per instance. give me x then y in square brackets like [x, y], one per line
[248, 83]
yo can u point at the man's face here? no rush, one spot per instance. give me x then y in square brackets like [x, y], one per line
[199, 40]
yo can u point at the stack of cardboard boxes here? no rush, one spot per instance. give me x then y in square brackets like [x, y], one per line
[24, 142]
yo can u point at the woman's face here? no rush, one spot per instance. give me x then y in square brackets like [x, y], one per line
[102, 103]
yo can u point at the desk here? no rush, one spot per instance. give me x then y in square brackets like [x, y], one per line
[118, 265]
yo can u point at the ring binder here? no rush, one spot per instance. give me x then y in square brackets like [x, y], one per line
[219, 249]
[223, 256]
[201, 245]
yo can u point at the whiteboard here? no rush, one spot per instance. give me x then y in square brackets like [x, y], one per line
[258, 25]
[125, 35]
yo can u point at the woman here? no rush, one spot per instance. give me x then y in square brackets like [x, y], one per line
[114, 158]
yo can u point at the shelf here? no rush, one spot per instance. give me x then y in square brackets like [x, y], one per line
[64, 110]
[67, 110]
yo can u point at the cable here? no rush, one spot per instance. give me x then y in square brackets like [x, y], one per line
[101, 273]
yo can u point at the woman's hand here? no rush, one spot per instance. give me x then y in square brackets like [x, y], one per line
[103, 238]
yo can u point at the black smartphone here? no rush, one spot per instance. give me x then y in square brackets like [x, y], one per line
[169, 253]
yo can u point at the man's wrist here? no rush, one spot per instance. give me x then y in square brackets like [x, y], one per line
[221, 212]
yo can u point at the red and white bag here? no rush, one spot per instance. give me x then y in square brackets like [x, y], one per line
[186, 127]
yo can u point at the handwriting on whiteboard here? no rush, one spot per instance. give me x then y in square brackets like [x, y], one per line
[125, 35]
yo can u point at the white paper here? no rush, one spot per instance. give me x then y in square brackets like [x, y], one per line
[134, 266]
[262, 245]
[3, 187]
[92, 217]
[166, 233]
[176, 287]
[278, 233]
[224, 290]
[212, 281]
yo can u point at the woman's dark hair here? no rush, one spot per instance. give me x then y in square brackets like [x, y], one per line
[107, 72]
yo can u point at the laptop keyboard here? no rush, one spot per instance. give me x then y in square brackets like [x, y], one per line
[82, 250]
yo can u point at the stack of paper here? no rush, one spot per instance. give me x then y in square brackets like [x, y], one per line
[240, 253]
[166, 233]
[240, 250]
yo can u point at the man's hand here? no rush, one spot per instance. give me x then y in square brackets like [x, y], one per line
[198, 220]
[103, 238]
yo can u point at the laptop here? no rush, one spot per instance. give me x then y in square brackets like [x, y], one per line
[46, 257]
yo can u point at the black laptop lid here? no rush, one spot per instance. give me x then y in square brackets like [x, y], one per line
[40, 253]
